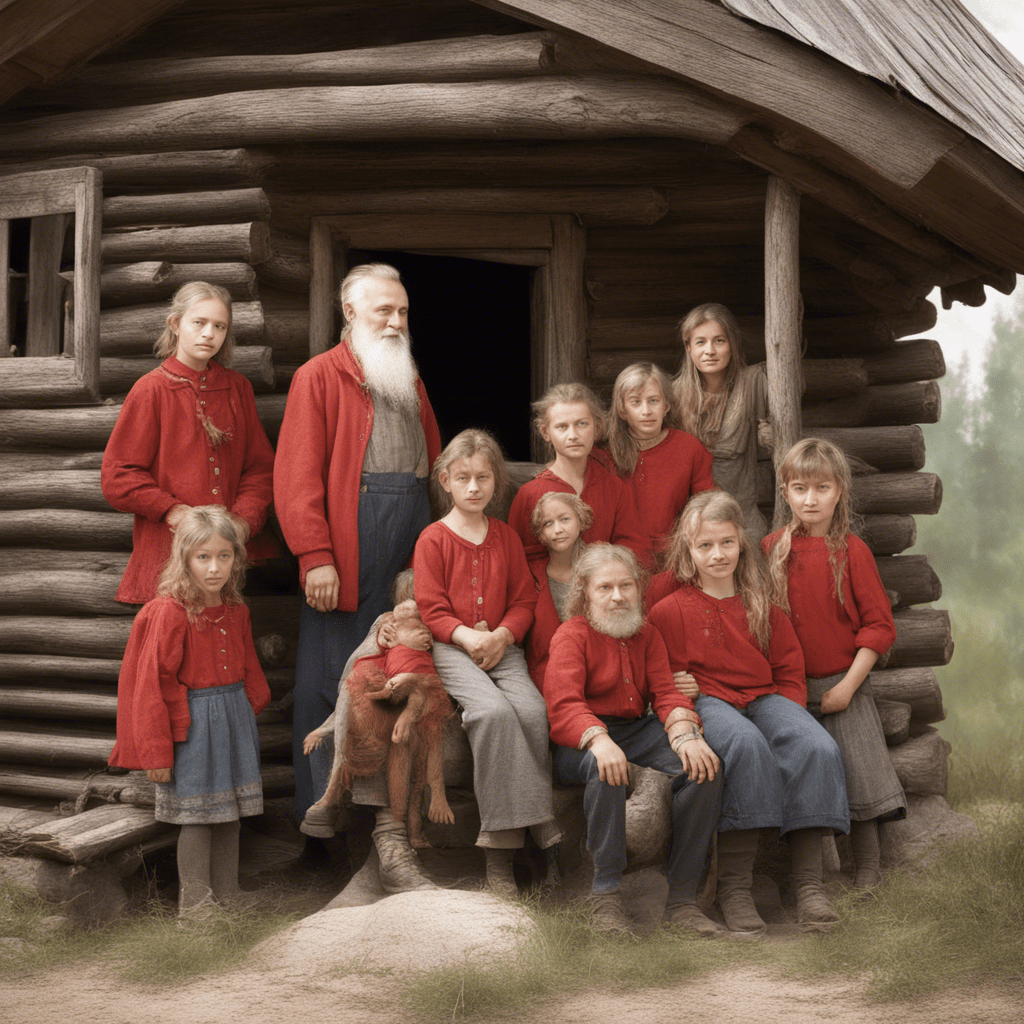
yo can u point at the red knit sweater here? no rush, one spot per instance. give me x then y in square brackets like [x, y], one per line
[708, 638]
[545, 623]
[461, 584]
[590, 674]
[831, 633]
[320, 451]
[159, 456]
[166, 656]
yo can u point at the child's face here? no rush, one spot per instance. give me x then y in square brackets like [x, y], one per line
[210, 564]
[709, 348]
[201, 332]
[715, 551]
[644, 410]
[560, 527]
[813, 502]
[470, 482]
[570, 430]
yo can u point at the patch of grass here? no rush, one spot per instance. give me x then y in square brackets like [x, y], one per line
[987, 772]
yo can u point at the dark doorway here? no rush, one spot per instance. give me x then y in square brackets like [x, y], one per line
[470, 325]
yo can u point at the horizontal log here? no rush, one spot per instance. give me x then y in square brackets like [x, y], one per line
[286, 331]
[912, 577]
[920, 359]
[540, 108]
[130, 284]
[922, 319]
[90, 638]
[26, 702]
[904, 494]
[922, 764]
[895, 718]
[93, 834]
[254, 362]
[59, 666]
[230, 206]
[888, 534]
[923, 637]
[287, 267]
[887, 449]
[53, 747]
[64, 528]
[13, 560]
[49, 462]
[61, 593]
[916, 687]
[132, 330]
[878, 405]
[204, 243]
[73, 489]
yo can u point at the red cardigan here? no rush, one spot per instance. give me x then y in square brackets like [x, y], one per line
[460, 584]
[590, 674]
[708, 638]
[615, 518]
[159, 456]
[166, 656]
[829, 632]
[545, 623]
[327, 424]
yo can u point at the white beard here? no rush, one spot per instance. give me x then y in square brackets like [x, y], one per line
[617, 624]
[388, 366]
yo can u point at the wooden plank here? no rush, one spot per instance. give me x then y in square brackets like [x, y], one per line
[92, 834]
[322, 286]
[5, 288]
[45, 286]
[26, 702]
[35, 559]
[59, 528]
[63, 592]
[44, 381]
[23, 22]
[516, 257]
[230, 206]
[204, 243]
[442, 230]
[88, 228]
[47, 666]
[39, 193]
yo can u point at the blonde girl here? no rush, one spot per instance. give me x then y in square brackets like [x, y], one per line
[663, 466]
[187, 696]
[826, 578]
[187, 435]
[477, 597]
[570, 419]
[723, 403]
[730, 645]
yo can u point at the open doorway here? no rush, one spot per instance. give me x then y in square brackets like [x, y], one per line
[470, 325]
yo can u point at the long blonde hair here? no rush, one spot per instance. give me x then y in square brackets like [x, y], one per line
[560, 394]
[632, 380]
[813, 458]
[749, 579]
[584, 516]
[464, 446]
[701, 414]
[196, 527]
[184, 299]
[590, 561]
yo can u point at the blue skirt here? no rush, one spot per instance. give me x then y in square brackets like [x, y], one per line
[217, 769]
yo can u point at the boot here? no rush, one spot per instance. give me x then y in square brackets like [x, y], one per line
[736, 853]
[814, 911]
[500, 879]
[400, 869]
[608, 915]
[866, 855]
[322, 821]
[690, 917]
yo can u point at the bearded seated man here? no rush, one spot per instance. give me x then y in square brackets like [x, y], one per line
[606, 666]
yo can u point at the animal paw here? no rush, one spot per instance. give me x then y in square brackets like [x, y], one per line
[311, 742]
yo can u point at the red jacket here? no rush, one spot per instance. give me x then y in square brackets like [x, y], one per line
[709, 638]
[320, 452]
[590, 674]
[166, 656]
[831, 633]
[159, 456]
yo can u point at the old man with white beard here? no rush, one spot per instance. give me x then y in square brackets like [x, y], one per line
[607, 666]
[350, 489]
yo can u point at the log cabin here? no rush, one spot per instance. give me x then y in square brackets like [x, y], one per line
[559, 181]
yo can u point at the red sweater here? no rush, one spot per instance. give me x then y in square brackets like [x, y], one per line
[545, 623]
[829, 632]
[615, 518]
[708, 638]
[320, 451]
[590, 674]
[166, 656]
[461, 584]
[159, 456]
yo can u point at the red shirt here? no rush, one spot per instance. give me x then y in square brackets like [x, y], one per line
[590, 674]
[615, 518]
[166, 656]
[320, 451]
[545, 623]
[159, 456]
[461, 584]
[407, 659]
[708, 638]
[829, 632]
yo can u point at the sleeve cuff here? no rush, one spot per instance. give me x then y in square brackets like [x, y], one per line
[589, 734]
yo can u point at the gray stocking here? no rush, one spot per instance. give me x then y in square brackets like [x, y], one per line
[224, 861]
[194, 843]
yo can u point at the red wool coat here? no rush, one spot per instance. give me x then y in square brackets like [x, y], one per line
[166, 656]
[320, 452]
[159, 456]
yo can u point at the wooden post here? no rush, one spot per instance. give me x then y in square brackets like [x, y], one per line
[321, 287]
[5, 288]
[45, 287]
[782, 317]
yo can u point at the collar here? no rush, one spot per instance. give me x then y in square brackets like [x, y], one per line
[213, 378]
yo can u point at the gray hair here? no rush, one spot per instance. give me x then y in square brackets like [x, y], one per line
[357, 275]
[590, 561]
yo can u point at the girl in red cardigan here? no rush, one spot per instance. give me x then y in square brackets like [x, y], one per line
[570, 419]
[187, 435]
[663, 466]
[826, 578]
[476, 595]
[189, 690]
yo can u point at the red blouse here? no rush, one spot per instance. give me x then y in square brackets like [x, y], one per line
[159, 456]
[166, 656]
[829, 632]
[615, 518]
[461, 584]
[590, 674]
[545, 623]
[709, 638]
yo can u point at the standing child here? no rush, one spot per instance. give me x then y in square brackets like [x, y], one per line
[826, 578]
[663, 466]
[189, 690]
[475, 592]
[187, 435]
[569, 417]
